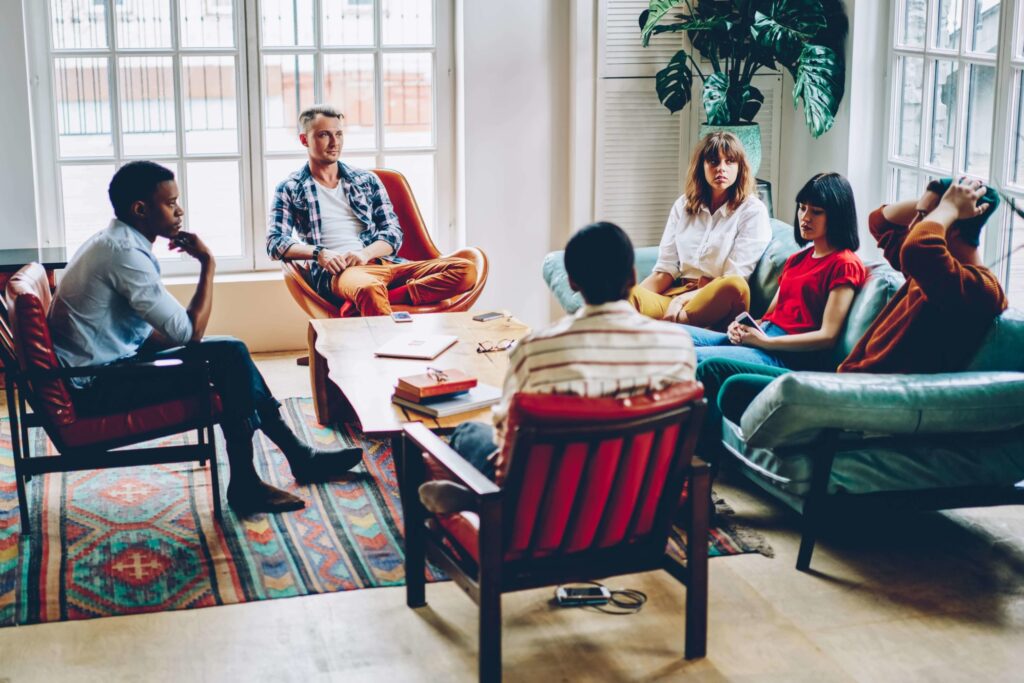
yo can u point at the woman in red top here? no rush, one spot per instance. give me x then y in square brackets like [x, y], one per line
[816, 288]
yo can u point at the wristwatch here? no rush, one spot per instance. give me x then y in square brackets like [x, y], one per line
[316, 252]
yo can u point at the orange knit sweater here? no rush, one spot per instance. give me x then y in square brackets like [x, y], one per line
[937, 320]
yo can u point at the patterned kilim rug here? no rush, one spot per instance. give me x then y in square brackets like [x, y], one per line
[142, 539]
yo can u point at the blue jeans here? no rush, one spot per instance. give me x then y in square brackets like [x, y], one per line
[712, 344]
[474, 441]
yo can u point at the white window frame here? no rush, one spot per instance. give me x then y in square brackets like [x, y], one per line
[996, 238]
[249, 93]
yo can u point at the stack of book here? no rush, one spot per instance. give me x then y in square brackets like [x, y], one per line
[456, 392]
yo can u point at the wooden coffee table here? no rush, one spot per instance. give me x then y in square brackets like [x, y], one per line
[350, 382]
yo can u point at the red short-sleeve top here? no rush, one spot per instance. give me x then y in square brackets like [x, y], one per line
[805, 284]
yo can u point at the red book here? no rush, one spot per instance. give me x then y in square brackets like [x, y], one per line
[418, 387]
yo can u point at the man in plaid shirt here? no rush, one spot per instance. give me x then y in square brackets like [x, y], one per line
[341, 218]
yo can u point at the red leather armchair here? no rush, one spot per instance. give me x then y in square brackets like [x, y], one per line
[84, 439]
[416, 246]
[591, 490]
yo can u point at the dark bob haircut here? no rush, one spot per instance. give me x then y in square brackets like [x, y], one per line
[136, 180]
[599, 259]
[831, 192]
[970, 228]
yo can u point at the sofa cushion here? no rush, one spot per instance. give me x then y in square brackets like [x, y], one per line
[797, 407]
[1003, 345]
[877, 465]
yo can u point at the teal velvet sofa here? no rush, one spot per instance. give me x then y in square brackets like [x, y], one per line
[827, 444]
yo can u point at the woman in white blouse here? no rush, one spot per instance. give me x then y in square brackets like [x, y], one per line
[714, 237]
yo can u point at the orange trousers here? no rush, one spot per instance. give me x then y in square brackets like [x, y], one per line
[427, 282]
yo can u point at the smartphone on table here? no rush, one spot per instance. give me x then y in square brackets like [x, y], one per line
[401, 317]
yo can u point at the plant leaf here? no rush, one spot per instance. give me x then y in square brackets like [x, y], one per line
[818, 83]
[791, 24]
[674, 83]
[752, 101]
[716, 99]
[650, 17]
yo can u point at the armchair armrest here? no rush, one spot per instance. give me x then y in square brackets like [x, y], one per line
[798, 406]
[461, 471]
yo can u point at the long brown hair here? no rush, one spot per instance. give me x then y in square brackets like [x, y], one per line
[713, 147]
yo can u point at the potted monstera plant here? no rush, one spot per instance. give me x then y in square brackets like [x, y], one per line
[736, 39]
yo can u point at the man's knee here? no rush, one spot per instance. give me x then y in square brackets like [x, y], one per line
[463, 273]
[370, 298]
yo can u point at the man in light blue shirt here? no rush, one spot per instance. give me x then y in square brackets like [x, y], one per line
[111, 307]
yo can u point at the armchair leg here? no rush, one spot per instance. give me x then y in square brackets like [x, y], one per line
[214, 476]
[490, 633]
[26, 527]
[409, 472]
[697, 561]
[814, 508]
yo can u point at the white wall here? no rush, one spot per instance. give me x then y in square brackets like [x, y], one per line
[855, 146]
[512, 107]
[17, 192]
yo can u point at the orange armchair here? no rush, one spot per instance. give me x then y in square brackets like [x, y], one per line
[416, 246]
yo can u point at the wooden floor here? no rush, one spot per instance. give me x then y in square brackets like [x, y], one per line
[932, 597]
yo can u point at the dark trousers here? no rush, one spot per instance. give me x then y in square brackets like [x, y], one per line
[474, 441]
[729, 387]
[243, 392]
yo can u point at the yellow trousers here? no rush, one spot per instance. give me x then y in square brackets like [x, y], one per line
[714, 305]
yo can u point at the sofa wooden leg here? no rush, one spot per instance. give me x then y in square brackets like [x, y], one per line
[490, 634]
[816, 504]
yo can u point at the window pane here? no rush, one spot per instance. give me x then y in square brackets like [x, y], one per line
[288, 89]
[980, 114]
[945, 74]
[86, 206]
[83, 107]
[419, 171]
[910, 71]
[408, 100]
[905, 184]
[912, 23]
[947, 24]
[211, 117]
[207, 23]
[985, 26]
[143, 23]
[1017, 133]
[348, 85]
[286, 22]
[146, 87]
[78, 25]
[411, 22]
[213, 207]
[347, 23]
[1015, 283]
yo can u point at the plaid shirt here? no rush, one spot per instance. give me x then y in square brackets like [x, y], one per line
[295, 215]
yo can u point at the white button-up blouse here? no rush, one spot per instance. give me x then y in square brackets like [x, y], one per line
[714, 245]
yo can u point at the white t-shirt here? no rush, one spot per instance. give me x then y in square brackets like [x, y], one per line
[705, 245]
[338, 224]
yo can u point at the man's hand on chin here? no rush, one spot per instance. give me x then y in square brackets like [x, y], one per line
[191, 244]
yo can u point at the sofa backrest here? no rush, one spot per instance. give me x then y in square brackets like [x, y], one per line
[883, 282]
[1003, 347]
[764, 281]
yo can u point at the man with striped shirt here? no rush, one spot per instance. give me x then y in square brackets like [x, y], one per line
[607, 349]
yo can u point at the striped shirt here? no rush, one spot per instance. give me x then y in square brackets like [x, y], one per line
[608, 350]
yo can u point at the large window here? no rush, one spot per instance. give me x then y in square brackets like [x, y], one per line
[212, 89]
[957, 72]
